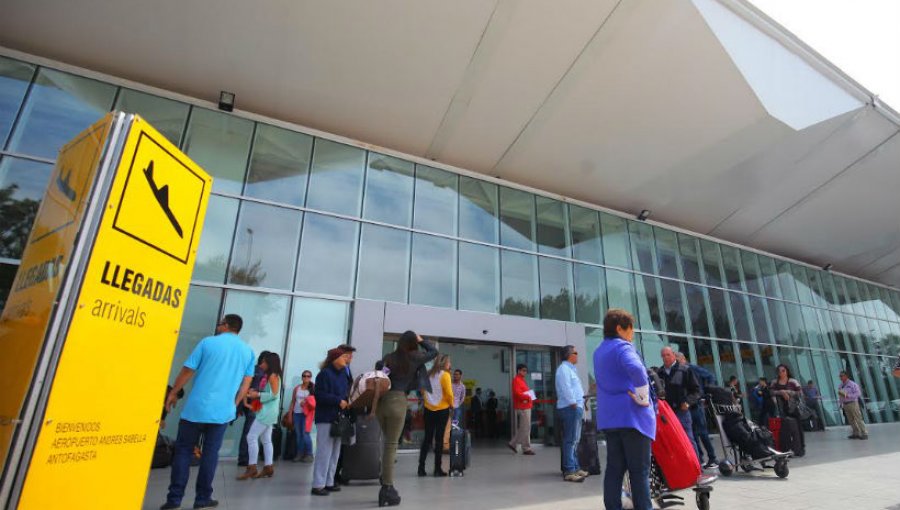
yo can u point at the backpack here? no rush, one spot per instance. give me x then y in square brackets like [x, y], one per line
[367, 389]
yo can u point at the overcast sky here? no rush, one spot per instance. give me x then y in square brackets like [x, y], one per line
[861, 37]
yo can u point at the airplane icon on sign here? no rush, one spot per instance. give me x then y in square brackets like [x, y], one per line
[162, 198]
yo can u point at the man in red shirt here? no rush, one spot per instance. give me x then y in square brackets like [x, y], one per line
[522, 402]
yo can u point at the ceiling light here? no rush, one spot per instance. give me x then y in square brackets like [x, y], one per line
[226, 101]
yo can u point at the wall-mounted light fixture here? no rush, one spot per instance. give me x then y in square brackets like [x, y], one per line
[827, 267]
[226, 101]
[644, 214]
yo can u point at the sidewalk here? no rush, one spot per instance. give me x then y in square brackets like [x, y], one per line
[836, 474]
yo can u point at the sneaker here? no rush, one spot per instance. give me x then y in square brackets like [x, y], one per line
[319, 492]
[582, 473]
[711, 464]
[170, 506]
[209, 504]
[573, 477]
[332, 488]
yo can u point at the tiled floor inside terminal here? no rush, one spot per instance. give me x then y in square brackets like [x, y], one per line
[835, 474]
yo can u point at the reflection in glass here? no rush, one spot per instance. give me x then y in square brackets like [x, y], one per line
[647, 293]
[336, 178]
[760, 322]
[731, 262]
[7, 275]
[60, 106]
[519, 284]
[786, 281]
[479, 278]
[672, 306]
[795, 321]
[220, 144]
[552, 227]
[666, 252]
[815, 284]
[389, 190]
[719, 311]
[383, 264]
[712, 263]
[706, 357]
[770, 277]
[265, 246]
[642, 248]
[620, 290]
[166, 115]
[803, 287]
[516, 219]
[14, 79]
[215, 242]
[742, 324]
[697, 310]
[436, 200]
[327, 262]
[433, 272]
[556, 289]
[616, 250]
[590, 294]
[22, 185]
[279, 165]
[586, 234]
[478, 210]
[780, 326]
[752, 275]
[689, 248]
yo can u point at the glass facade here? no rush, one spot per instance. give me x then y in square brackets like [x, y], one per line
[298, 226]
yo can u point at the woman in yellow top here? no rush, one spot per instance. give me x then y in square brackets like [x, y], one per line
[438, 403]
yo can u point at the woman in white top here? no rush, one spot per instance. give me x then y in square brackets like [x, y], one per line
[304, 442]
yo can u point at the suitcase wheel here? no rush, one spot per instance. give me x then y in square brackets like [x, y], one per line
[702, 501]
[726, 468]
[781, 469]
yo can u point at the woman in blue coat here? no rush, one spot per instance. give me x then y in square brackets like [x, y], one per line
[624, 412]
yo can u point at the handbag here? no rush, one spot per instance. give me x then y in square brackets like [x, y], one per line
[342, 427]
[797, 408]
[287, 420]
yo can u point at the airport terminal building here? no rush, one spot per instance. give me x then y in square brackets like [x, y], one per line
[477, 172]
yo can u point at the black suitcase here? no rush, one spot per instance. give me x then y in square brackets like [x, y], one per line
[290, 446]
[362, 460]
[586, 451]
[277, 441]
[790, 437]
[162, 453]
[460, 450]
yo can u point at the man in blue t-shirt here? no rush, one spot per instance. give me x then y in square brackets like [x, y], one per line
[222, 368]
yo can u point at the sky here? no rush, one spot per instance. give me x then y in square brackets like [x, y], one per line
[861, 37]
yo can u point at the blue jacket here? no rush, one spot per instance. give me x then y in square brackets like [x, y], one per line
[704, 377]
[618, 369]
[332, 386]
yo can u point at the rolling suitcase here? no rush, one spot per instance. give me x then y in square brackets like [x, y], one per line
[277, 441]
[673, 450]
[162, 453]
[362, 460]
[586, 452]
[790, 438]
[460, 450]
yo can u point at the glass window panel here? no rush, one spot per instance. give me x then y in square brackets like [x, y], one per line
[689, 248]
[895, 304]
[752, 273]
[518, 284]
[731, 262]
[14, 79]
[712, 263]
[760, 317]
[651, 349]
[389, 190]
[516, 219]
[786, 279]
[815, 286]
[586, 243]
[841, 290]
[803, 289]
[728, 361]
[830, 292]
[620, 290]
[869, 299]
[854, 297]
[336, 178]
[265, 328]
[553, 227]
[616, 250]
[22, 186]
[220, 144]
[265, 246]
[60, 106]
[882, 308]
[556, 289]
[673, 307]
[770, 277]
[433, 273]
[742, 325]
[643, 252]
[841, 338]
[478, 210]
[719, 310]
[279, 165]
[327, 255]
[811, 327]
[864, 332]
[590, 294]
[769, 361]
[780, 326]
[795, 320]
[827, 329]
[166, 115]
[829, 405]
[697, 310]
[383, 263]
[667, 252]
[215, 243]
[436, 200]
[706, 357]
[317, 325]
[7, 275]
[647, 293]
[479, 278]
[201, 313]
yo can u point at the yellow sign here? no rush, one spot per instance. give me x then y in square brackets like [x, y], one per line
[102, 416]
[23, 325]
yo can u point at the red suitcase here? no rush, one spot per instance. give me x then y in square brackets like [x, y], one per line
[775, 427]
[674, 451]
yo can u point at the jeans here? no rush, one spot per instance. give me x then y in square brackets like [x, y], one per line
[327, 458]
[571, 433]
[391, 414]
[249, 418]
[458, 416]
[188, 436]
[260, 432]
[304, 440]
[701, 434]
[627, 450]
[435, 425]
[687, 424]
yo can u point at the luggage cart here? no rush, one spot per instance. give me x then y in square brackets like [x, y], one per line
[735, 457]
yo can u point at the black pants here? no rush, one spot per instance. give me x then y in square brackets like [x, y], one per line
[435, 426]
[243, 454]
